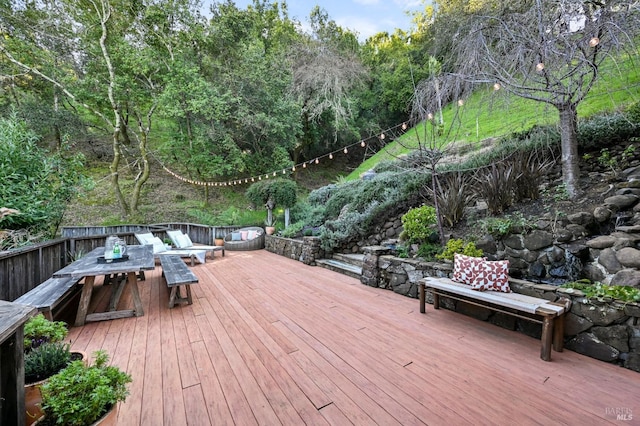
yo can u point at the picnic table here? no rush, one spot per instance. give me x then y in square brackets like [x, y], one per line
[88, 267]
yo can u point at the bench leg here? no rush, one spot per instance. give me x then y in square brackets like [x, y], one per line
[422, 298]
[172, 296]
[189, 299]
[558, 334]
[547, 338]
[85, 299]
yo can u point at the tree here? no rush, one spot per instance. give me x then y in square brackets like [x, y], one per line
[546, 50]
[272, 193]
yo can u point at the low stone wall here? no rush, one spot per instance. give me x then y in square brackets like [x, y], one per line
[606, 331]
[306, 250]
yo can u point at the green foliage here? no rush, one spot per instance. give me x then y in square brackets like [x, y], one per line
[428, 251]
[459, 246]
[36, 182]
[499, 227]
[454, 193]
[418, 223]
[609, 129]
[80, 394]
[605, 293]
[38, 330]
[529, 167]
[45, 360]
[280, 192]
[495, 185]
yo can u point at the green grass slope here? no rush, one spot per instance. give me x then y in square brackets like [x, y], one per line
[489, 113]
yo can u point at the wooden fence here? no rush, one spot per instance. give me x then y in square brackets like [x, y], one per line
[23, 269]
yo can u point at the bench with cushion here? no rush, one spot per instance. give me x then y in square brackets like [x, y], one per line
[49, 294]
[251, 238]
[549, 314]
[177, 274]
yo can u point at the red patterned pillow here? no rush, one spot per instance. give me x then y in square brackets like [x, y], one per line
[465, 268]
[493, 276]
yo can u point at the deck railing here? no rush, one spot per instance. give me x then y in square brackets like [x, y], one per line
[25, 268]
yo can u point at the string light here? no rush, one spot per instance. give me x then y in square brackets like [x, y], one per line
[594, 42]
[430, 116]
[496, 86]
[460, 102]
[345, 150]
[540, 67]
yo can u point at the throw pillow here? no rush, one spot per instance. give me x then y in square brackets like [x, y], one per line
[182, 241]
[187, 240]
[235, 236]
[493, 276]
[465, 268]
[243, 235]
[251, 235]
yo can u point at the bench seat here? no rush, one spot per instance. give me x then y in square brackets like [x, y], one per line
[49, 294]
[177, 274]
[549, 314]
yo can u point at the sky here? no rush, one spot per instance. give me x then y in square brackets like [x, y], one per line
[365, 17]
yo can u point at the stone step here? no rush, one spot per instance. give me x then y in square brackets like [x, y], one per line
[352, 259]
[340, 266]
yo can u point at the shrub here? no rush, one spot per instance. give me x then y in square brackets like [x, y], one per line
[529, 167]
[45, 360]
[454, 194]
[429, 251]
[610, 128]
[39, 330]
[495, 185]
[500, 227]
[81, 394]
[459, 246]
[418, 223]
[604, 293]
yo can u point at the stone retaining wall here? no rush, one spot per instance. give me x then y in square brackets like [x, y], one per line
[606, 331]
[306, 250]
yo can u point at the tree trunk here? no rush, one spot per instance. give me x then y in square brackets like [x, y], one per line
[569, 144]
[144, 176]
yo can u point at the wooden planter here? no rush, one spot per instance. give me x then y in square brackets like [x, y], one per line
[109, 419]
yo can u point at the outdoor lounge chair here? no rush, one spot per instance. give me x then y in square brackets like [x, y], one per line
[160, 249]
[251, 238]
[182, 242]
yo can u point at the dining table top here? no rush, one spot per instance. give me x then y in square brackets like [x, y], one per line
[140, 259]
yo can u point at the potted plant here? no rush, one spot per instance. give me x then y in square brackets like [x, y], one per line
[270, 225]
[39, 330]
[45, 355]
[84, 394]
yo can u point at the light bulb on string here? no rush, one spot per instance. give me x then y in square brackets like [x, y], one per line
[330, 156]
[594, 42]
[430, 116]
[496, 86]
[274, 173]
[317, 161]
[304, 165]
[382, 136]
[345, 150]
[293, 169]
[284, 172]
[404, 126]
[460, 102]
[540, 67]
[363, 144]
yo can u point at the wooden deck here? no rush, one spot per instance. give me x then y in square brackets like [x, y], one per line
[270, 341]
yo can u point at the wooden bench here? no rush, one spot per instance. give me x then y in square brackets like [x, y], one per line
[49, 294]
[542, 311]
[177, 274]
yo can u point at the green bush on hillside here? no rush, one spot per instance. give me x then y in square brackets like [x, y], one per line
[606, 130]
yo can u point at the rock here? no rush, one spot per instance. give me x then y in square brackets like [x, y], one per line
[538, 239]
[616, 336]
[593, 273]
[599, 315]
[601, 214]
[514, 241]
[626, 277]
[601, 242]
[621, 202]
[629, 257]
[609, 260]
[633, 361]
[589, 345]
[578, 231]
[487, 244]
[574, 324]
[634, 338]
[581, 218]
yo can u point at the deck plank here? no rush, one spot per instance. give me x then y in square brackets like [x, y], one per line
[269, 340]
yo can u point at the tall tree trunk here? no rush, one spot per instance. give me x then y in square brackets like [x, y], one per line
[569, 144]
